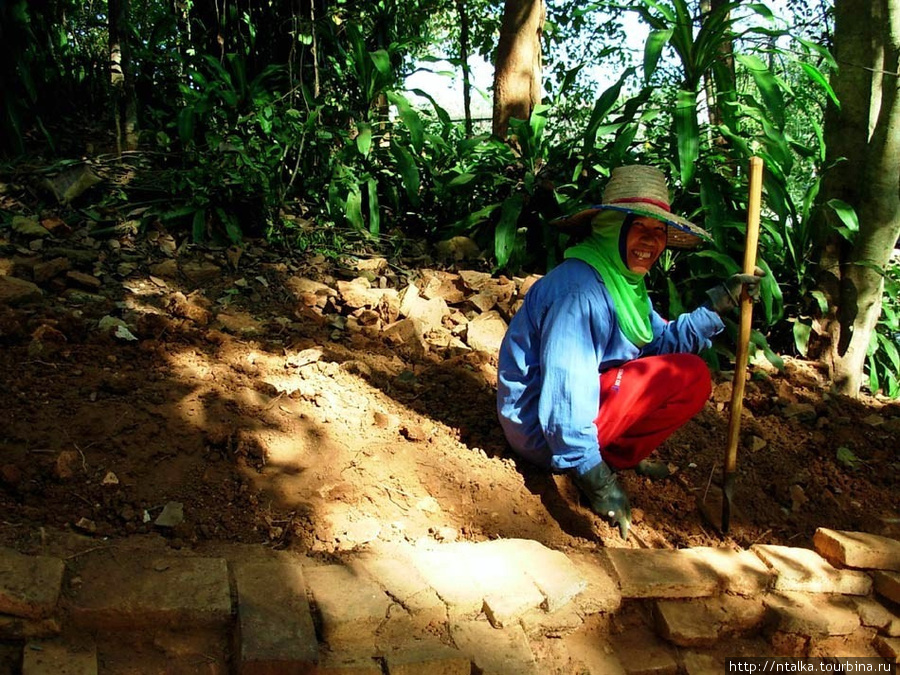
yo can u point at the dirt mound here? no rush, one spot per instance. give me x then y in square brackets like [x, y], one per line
[256, 396]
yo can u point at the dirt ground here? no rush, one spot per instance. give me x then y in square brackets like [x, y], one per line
[206, 404]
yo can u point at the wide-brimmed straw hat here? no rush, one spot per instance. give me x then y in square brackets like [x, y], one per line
[640, 190]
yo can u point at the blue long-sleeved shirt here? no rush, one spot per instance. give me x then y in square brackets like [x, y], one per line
[565, 334]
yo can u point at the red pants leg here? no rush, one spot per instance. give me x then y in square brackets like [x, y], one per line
[643, 401]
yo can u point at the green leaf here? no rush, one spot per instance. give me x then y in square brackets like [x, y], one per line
[768, 85]
[687, 131]
[374, 208]
[411, 119]
[816, 76]
[409, 172]
[676, 307]
[354, 209]
[198, 228]
[730, 266]
[846, 457]
[801, 337]
[821, 301]
[461, 180]
[601, 109]
[656, 40]
[364, 139]
[382, 61]
[847, 214]
[887, 345]
[505, 233]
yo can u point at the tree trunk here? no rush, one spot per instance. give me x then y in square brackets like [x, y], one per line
[124, 101]
[464, 59]
[866, 131]
[517, 69]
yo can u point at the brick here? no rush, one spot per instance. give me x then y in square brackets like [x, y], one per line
[58, 658]
[538, 623]
[392, 568]
[789, 644]
[474, 577]
[661, 573]
[858, 549]
[429, 657]
[494, 651]
[856, 645]
[452, 571]
[505, 606]
[19, 628]
[555, 576]
[602, 593]
[351, 607]
[29, 584]
[699, 623]
[640, 653]
[812, 615]
[136, 593]
[275, 627]
[804, 570]
[888, 585]
[888, 647]
[593, 653]
[872, 613]
[695, 663]
[739, 572]
[348, 664]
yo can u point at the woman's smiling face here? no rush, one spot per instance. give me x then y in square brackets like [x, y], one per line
[644, 243]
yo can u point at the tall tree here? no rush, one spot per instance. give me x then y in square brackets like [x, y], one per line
[863, 141]
[517, 68]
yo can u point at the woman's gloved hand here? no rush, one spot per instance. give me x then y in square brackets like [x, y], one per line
[607, 498]
[726, 296]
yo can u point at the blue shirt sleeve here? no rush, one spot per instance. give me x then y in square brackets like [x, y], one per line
[691, 332]
[574, 331]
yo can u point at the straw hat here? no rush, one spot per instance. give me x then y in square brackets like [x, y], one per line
[640, 190]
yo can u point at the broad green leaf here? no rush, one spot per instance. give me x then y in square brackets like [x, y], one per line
[198, 227]
[505, 234]
[821, 51]
[186, 125]
[687, 130]
[768, 85]
[816, 76]
[364, 139]
[601, 109]
[848, 217]
[442, 114]
[888, 347]
[676, 307]
[656, 40]
[462, 179]
[846, 457]
[801, 337]
[731, 267]
[353, 211]
[374, 208]
[382, 61]
[821, 301]
[409, 172]
[411, 119]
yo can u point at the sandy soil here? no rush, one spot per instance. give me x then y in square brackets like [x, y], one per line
[276, 425]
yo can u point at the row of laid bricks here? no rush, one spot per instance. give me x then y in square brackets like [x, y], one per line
[390, 602]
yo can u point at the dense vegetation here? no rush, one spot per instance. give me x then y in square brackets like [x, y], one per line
[291, 121]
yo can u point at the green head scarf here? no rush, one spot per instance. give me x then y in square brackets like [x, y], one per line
[602, 252]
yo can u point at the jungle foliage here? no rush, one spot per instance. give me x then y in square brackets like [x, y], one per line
[291, 121]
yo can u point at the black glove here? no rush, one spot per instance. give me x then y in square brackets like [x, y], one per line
[726, 296]
[607, 498]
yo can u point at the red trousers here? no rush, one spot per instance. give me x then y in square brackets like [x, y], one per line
[643, 401]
